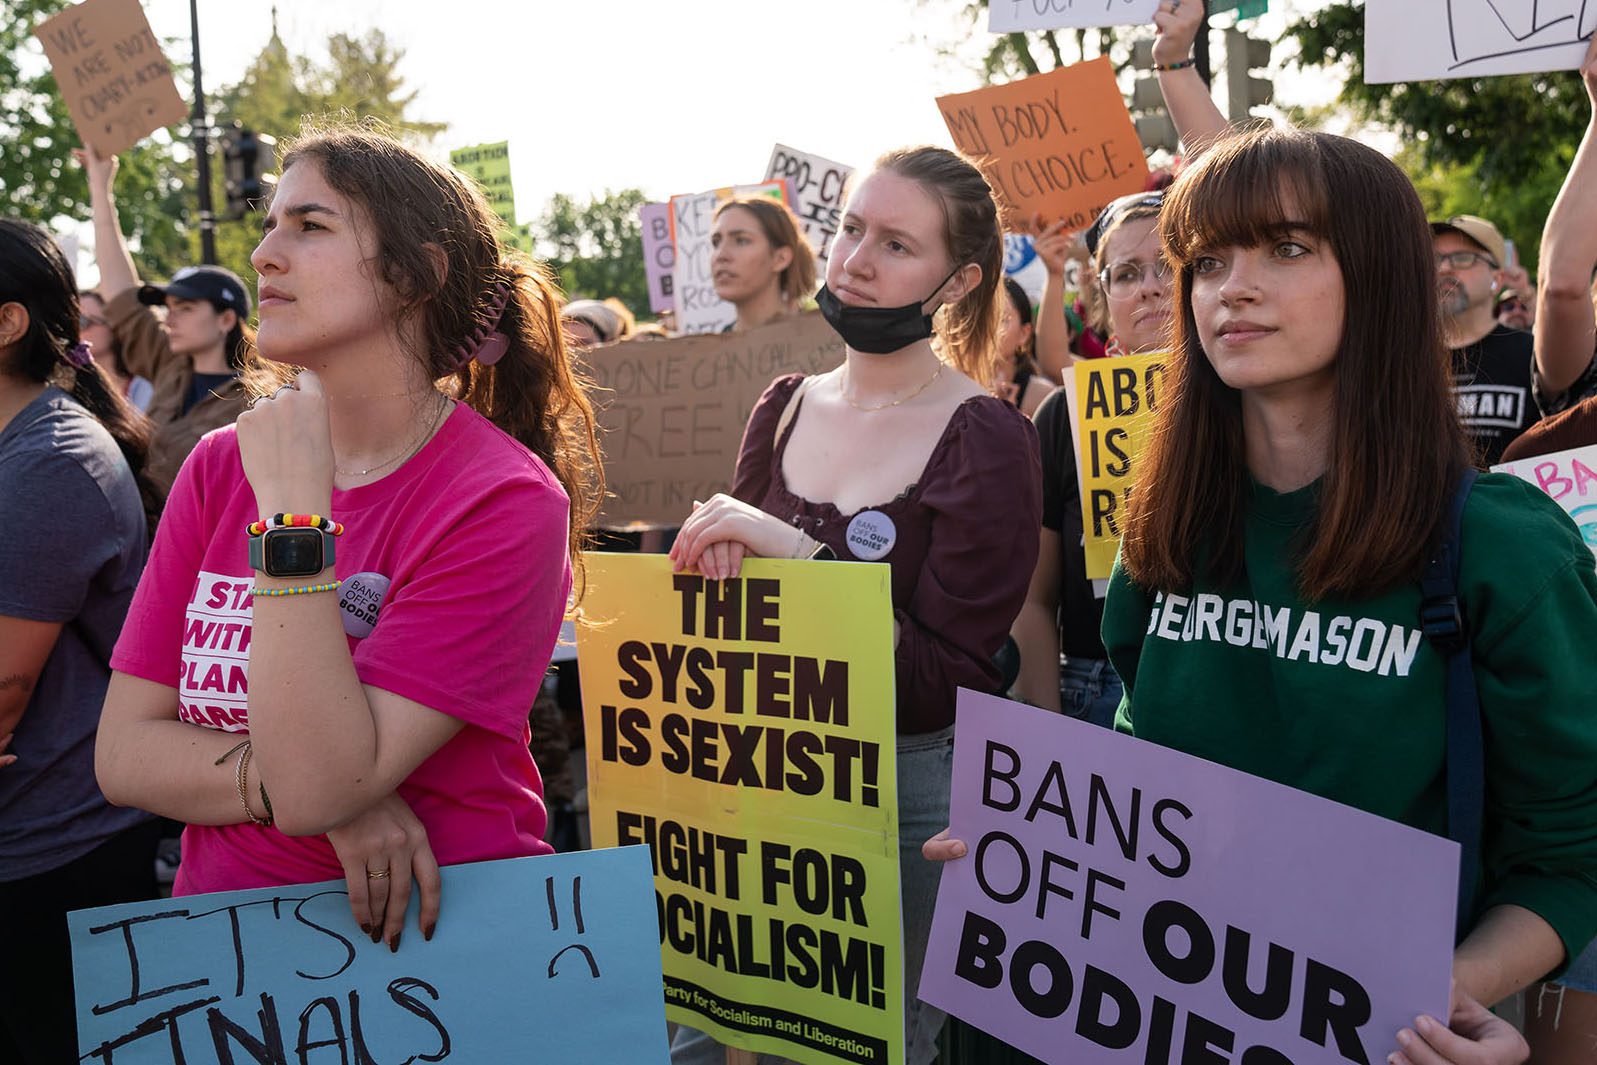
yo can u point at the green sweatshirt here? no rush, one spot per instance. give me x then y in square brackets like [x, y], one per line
[1346, 699]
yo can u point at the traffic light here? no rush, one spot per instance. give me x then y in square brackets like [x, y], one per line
[1154, 127]
[248, 159]
[1244, 54]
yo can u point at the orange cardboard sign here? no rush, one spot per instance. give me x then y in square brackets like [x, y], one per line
[109, 66]
[1060, 144]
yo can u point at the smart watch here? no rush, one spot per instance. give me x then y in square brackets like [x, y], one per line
[291, 552]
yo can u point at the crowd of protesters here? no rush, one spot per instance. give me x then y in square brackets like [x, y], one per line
[1337, 382]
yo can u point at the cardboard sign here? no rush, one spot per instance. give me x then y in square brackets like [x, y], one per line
[1060, 144]
[673, 416]
[659, 255]
[698, 308]
[1126, 902]
[1010, 16]
[817, 194]
[1420, 40]
[744, 729]
[117, 84]
[1112, 405]
[555, 953]
[1570, 477]
[489, 166]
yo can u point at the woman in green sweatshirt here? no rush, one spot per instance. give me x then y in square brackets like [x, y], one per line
[1265, 612]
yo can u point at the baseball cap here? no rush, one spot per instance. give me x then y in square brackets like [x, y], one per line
[1478, 230]
[216, 285]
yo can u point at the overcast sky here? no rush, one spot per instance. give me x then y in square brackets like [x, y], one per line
[671, 97]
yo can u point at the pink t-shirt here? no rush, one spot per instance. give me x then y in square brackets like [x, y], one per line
[470, 534]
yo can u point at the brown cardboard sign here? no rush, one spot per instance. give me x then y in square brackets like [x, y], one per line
[673, 418]
[112, 73]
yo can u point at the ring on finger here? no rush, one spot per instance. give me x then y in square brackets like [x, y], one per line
[377, 874]
[289, 387]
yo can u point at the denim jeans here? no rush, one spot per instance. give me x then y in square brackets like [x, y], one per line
[1089, 689]
[925, 775]
[1582, 975]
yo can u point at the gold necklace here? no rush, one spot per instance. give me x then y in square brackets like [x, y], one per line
[903, 399]
[414, 446]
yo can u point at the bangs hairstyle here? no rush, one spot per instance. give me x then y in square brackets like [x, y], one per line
[967, 331]
[782, 229]
[1396, 445]
[418, 212]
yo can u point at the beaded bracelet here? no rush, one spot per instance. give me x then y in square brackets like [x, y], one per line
[1190, 61]
[292, 521]
[304, 589]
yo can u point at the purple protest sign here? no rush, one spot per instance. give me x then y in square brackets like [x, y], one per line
[1124, 902]
[659, 254]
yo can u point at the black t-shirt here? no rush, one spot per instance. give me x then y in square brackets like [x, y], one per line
[203, 385]
[1492, 385]
[1080, 612]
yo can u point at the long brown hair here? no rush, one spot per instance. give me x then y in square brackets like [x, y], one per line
[34, 273]
[782, 230]
[534, 393]
[967, 331]
[1396, 445]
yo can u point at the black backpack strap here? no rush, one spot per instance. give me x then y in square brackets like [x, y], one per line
[1443, 622]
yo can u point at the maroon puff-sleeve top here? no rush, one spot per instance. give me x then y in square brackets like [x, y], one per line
[966, 544]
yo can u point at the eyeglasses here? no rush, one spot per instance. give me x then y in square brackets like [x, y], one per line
[1463, 260]
[1511, 307]
[86, 320]
[1123, 280]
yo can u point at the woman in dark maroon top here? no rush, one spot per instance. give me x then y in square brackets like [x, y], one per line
[900, 456]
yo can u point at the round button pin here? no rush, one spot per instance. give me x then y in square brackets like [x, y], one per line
[360, 598]
[871, 535]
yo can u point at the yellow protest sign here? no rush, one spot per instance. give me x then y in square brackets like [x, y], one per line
[489, 166]
[744, 730]
[1112, 405]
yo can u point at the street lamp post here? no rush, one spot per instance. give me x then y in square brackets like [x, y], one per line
[202, 147]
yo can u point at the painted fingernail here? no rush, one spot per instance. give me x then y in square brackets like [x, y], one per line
[377, 935]
[364, 927]
[427, 933]
[393, 944]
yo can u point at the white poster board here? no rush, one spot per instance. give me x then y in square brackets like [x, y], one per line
[1570, 478]
[1422, 40]
[1009, 16]
[817, 194]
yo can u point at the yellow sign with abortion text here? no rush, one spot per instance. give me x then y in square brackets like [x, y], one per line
[1112, 407]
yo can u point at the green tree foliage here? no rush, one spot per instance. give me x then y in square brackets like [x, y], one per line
[40, 181]
[1498, 147]
[596, 246]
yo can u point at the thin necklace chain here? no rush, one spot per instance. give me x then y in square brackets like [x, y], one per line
[414, 446]
[843, 391]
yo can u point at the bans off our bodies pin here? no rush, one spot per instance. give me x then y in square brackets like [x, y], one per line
[360, 598]
[871, 535]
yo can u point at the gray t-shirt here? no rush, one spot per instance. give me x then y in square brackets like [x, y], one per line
[72, 553]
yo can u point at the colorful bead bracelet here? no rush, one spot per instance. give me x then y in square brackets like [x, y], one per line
[304, 589]
[293, 521]
[1182, 65]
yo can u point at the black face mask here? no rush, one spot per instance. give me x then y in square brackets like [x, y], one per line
[878, 330]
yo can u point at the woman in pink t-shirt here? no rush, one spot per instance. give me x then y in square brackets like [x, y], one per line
[383, 694]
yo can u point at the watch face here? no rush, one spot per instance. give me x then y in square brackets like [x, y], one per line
[293, 552]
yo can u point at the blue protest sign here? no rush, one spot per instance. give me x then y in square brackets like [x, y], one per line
[1018, 252]
[553, 959]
